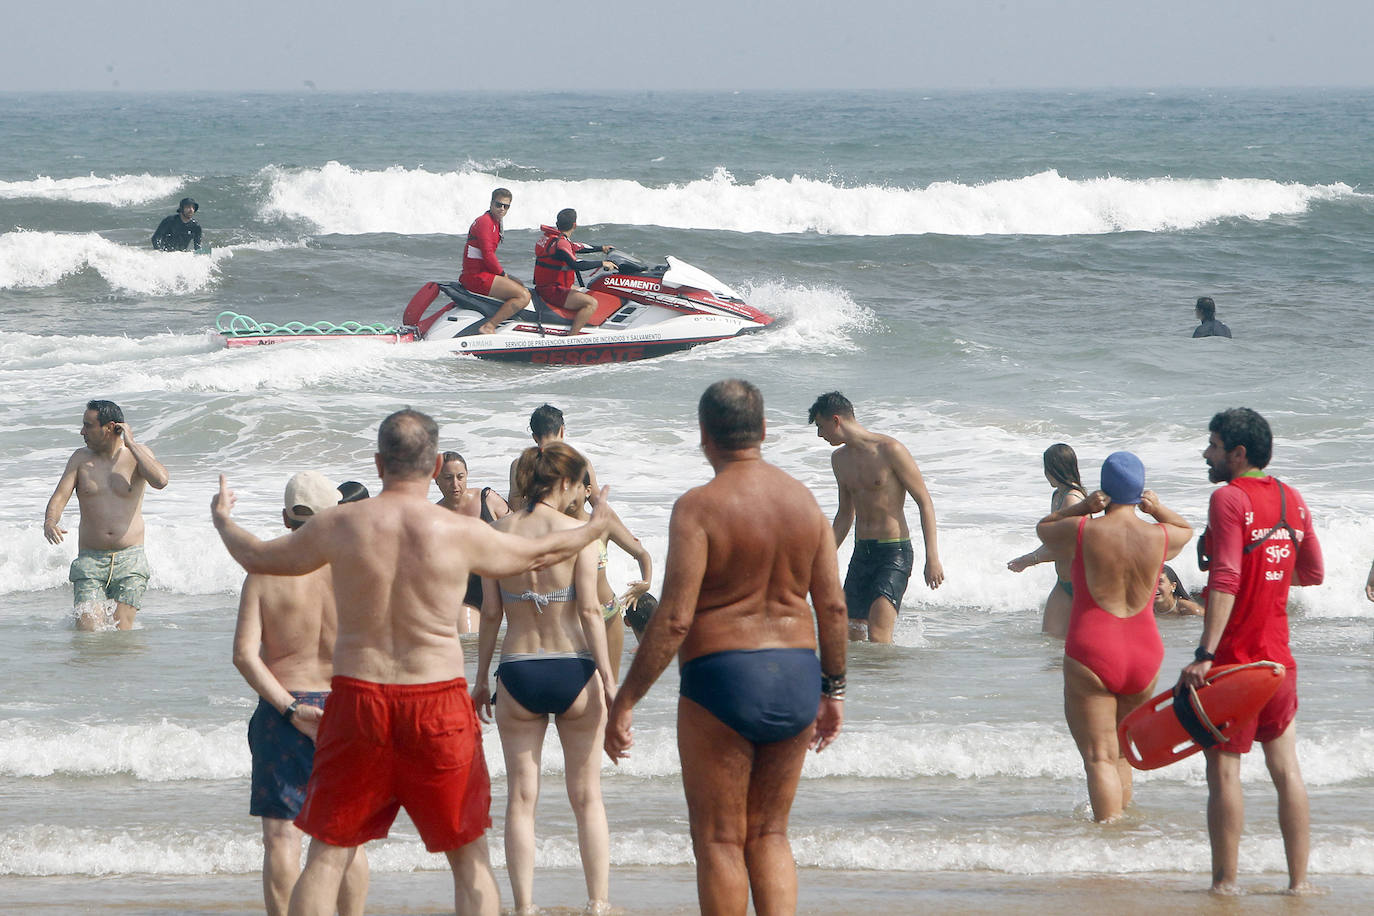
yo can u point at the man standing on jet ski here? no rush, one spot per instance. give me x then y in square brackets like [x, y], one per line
[180, 230]
[482, 273]
[556, 266]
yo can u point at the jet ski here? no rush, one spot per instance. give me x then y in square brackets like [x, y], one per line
[642, 311]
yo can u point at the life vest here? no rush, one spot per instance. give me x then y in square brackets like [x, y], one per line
[549, 270]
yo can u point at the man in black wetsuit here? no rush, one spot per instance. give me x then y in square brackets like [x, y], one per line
[180, 230]
[1208, 326]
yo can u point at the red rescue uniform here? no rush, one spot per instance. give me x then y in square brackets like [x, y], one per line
[480, 266]
[1243, 515]
[556, 265]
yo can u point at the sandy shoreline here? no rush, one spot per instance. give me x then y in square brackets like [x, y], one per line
[665, 891]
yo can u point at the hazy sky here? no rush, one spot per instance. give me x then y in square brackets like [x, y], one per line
[706, 44]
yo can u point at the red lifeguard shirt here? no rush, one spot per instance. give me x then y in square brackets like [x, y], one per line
[479, 254]
[1239, 514]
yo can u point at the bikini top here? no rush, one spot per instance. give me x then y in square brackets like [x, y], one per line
[567, 593]
[603, 555]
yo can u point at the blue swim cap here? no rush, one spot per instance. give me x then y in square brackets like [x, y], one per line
[1123, 478]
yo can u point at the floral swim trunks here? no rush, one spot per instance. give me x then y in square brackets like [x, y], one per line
[118, 575]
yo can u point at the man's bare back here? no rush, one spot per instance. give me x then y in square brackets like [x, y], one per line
[751, 509]
[298, 622]
[744, 552]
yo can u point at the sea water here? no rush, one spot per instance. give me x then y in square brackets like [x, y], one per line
[981, 274]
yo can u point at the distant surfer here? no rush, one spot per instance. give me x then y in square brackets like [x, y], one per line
[744, 552]
[180, 230]
[1061, 470]
[875, 473]
[109, 476]
[482, 272]
[1206, 313]
[1259, 539]
[556, 265]
[1113, 650]
[284, 648]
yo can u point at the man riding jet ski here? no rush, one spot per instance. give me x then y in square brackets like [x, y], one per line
[556, 265]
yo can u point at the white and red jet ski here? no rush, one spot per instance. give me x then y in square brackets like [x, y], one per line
[642, 311]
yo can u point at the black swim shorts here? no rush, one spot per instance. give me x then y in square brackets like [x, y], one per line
[877, 568]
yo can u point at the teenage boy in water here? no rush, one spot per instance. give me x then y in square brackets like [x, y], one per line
[284, 648]
[875, 473]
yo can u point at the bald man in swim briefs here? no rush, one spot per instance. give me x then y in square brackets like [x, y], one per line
[744, 551]
[399, 728]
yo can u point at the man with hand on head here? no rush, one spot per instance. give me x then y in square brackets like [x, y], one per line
[109, 476]
[744, 552]
[399, 729]
[284, 648]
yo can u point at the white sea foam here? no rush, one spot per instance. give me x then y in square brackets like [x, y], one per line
[116, 190]
[347, 201]
[35, 260]
[166, 752]
[159, 752]
[59, 850]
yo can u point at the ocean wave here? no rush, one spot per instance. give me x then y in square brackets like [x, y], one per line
[57, 850]
[168, 752]
[35, 260]
[339, 199]
[115, 191]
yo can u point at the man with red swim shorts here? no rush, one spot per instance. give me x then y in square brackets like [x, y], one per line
[1259, 540]
[556, 264]
[399, 729]
[482, 273]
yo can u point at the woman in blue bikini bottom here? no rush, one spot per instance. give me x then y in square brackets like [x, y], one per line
[554, 662]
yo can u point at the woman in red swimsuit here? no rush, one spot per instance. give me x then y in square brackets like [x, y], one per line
[1113, 651]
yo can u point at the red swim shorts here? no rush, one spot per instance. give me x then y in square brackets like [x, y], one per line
[384, 746]
[554, 295]
[477, 283]
[1273, 719]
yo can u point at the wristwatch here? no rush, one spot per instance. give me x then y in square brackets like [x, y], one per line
[289, 712]
[1202, 655]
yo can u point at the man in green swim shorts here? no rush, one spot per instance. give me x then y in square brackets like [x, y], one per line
[109, 476]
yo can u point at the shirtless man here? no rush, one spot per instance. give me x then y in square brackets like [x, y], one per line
[284, 648]
[743, 553]
[482, 272]
[399, 728]
[875, 473]
[546, 426]
[109, 476]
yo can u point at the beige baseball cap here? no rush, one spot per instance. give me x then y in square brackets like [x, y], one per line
[309, 490]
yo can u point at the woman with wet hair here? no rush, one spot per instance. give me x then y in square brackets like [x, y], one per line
[554, 662]
[1061, 470]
